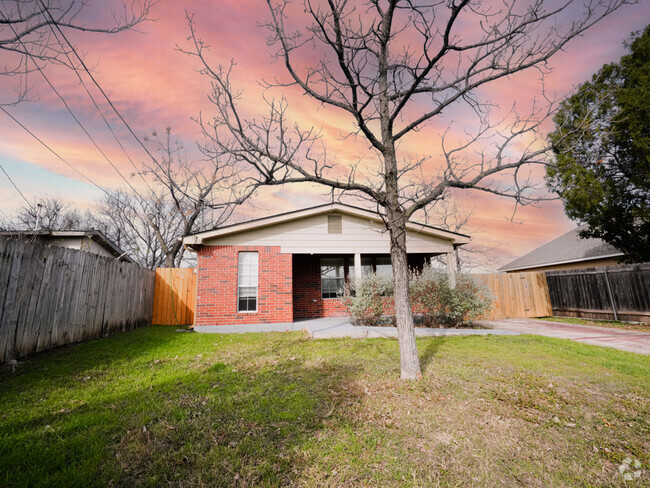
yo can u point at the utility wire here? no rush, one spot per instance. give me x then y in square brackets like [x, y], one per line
[110, 128]
[15, 186]
[52, 150]
[83, 64]
[69, 109]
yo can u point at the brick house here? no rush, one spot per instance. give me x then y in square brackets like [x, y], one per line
[294, 265]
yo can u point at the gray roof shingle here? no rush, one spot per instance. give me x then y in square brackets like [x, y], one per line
[566, 248]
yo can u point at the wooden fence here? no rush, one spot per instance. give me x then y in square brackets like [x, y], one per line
[51, 296]
[517, 295]
[612, 292]
[175, 296]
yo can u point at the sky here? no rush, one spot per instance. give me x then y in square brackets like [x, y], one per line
[155, 86]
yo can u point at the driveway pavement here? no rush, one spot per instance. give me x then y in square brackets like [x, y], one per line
[340, 327]
[625, 340]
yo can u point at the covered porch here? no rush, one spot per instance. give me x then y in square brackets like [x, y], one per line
[319, 280]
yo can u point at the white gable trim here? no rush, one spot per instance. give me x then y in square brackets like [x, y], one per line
[198, 239]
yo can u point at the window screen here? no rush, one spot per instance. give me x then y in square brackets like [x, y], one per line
[247, 282]
[332, 277]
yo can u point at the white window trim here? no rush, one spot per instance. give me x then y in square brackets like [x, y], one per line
[257, 285]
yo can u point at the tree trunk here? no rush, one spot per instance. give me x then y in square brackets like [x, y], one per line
[408, 349]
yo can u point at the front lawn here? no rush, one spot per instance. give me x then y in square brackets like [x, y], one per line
[155, 407]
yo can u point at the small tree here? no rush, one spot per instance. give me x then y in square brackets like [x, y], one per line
[393, 66]
[602, 149]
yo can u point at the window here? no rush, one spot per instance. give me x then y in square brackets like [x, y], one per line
[366, 267]
[332, 277]
[383, 266]
[247, 282]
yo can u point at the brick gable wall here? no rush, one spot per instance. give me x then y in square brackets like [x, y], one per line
[216, 296]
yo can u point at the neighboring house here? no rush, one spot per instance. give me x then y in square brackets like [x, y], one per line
[92, 241]
[566, 252]
[294, 265]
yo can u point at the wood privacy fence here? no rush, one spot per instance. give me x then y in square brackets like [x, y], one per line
[51, 296]
[516, 295]
[612, 292]
[175, 296]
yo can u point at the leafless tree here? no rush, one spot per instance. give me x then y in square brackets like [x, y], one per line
[51, 213]
[126, 219]
[393, 66]
[183, 197]
[31, 31]
[447, 213]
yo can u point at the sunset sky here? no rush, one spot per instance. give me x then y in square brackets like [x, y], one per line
[155, 86]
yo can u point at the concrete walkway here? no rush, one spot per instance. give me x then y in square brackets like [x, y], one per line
[340, 327]
[625, 340]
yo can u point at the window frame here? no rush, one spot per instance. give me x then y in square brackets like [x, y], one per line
[338, 279]
[240, 286]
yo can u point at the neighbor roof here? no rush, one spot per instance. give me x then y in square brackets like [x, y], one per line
[95, 235]
[568, 248]
[198, 238]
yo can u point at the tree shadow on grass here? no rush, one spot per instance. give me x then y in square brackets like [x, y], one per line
[210, 424]
[428, 349]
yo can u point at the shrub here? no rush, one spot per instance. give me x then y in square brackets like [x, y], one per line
[440, 304]
[364, 298]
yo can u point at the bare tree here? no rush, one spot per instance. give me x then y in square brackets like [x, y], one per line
[32, 30]
[393, 66]
[184, 197]
[126, 219]
[49, 213]
[449, 214]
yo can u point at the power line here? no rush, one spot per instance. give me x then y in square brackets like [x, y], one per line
[101, 90]
[15, 186]
[69, 109]
[51, 150]
[52, 28]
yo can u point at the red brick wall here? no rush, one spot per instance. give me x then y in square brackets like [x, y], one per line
[307, 301]
[216, 296]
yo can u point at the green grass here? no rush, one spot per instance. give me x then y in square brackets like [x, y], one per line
[616, 324]
[155, 407]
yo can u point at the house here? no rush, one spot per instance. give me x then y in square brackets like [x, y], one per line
[568, 251]
[294, 265]
[92, 241]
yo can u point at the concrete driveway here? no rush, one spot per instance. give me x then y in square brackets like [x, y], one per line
[625, 340]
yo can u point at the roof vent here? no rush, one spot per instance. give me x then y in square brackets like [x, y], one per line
[334, 224]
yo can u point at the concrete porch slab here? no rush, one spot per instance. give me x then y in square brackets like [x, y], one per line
[332, 327]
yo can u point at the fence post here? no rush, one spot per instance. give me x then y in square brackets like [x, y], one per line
[611, 295]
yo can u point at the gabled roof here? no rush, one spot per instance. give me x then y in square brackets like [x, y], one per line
[568, 248]
[92, 234]
[198, 238]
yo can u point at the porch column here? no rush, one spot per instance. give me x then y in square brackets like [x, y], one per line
[357, 267]
[451, 269]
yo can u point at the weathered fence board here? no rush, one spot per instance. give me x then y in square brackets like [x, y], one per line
[612, 292]
[51, 296]
[517, 295]
[175, 296]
